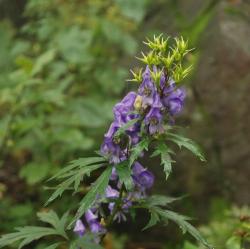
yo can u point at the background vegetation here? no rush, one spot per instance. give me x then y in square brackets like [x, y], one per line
[64, 64]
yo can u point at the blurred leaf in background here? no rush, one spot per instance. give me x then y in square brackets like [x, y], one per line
[61, 72]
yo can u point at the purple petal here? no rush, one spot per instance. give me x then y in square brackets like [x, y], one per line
[96, 227]
[111, 193]
[90, 217]
[79, 228]
[146, 179]
[137, 168]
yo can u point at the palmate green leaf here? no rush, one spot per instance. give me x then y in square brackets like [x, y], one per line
[160, 200]
[154, 219]
[74, 174]
[187, 143]
[49, 217]
[98, 188]
[52, 218]
[125, 174]
[181, 220]
[81, 162]
[164, 151]
[26, 235]
[138, 149]
[153, 205]
[152, 202]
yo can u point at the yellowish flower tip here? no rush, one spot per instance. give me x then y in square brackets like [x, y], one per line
[137, 76]
[156, 76]
[164, 56]
[158, 44]
[179, 73]
[138, 103]
[102, 222]
[168, 60]
[150, 58]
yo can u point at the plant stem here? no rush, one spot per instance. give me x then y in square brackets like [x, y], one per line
[116, 208]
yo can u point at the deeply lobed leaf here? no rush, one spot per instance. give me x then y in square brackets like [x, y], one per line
[165, 153]
[97, 189]
[125, 174]
[74, 174]
[186, 143]
[137, 150]
[26, 235]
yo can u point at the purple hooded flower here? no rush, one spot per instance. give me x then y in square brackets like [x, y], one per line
[111, 146]
[96, 227]
[173, 98]
[147, 89]
[154, 121]
[142, 177]
[157, 101]
[123, 111]
[113, 151]
[111, 192]
[90, 216]
[168, 89]
[112, 130]
[121, 215]
[79, 228]
[94, 224]
[146, 179]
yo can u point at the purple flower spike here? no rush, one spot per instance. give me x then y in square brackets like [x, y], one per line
[79, 228]
[154, 121]
[90, 217]
[111, 193]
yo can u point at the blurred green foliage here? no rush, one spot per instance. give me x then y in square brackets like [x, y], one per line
[59, 79]
[227, 229]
